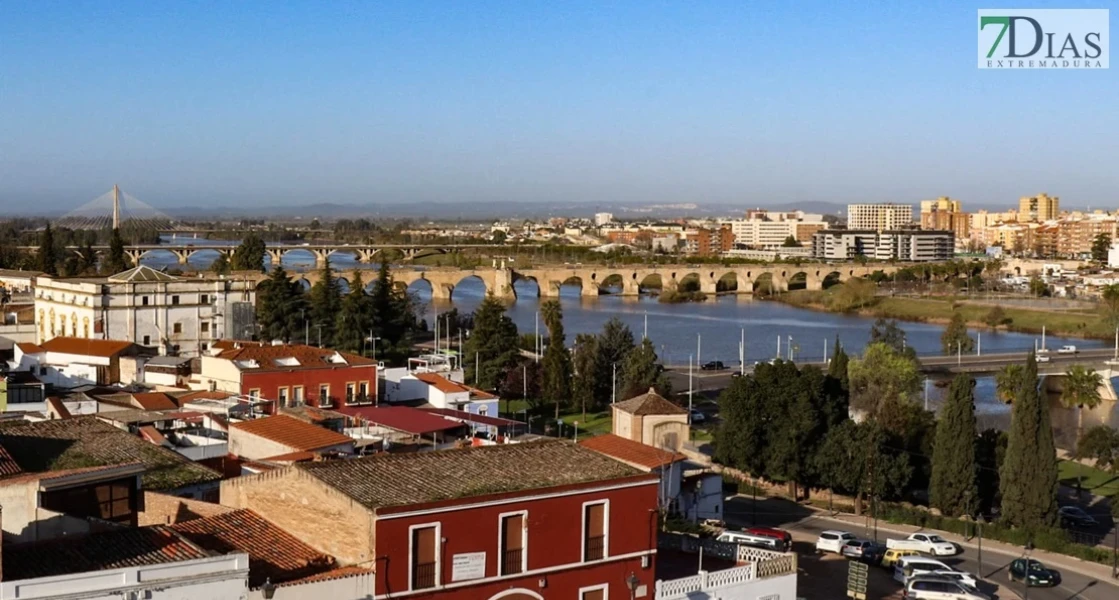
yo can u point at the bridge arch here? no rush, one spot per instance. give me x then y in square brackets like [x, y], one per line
[727, 282]
[830, 279]
[613, 283]
[763, 284]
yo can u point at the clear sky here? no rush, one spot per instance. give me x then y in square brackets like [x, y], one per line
[269, 103]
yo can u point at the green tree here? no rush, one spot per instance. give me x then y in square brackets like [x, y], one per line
[499, 237]
[87, 260]
[394, 316]
[47, 256]
[492, 346]
[1110, 297]
[585, 367]
[790, 242]
[325, 303]
[614, 344]
[882, 375]
[315, 225]
[1007, 381]
[887, 331]
[837, 407]
[1100, 245]
[641, 372]
[1028, 481]
[279, 304]
[990, 454]
[1038, 287]
[353, 325]
[853, 294]
[1101, 445]
[249, 255]
[953, 460]
[741, 439]
[955, 337]
[221, 265]
[995, 317]
[860, 459]
[557, 359]
[1079, 389]
[117, 260]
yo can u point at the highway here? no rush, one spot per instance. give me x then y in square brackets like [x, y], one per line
[806, 525]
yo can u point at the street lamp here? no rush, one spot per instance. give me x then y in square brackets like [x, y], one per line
[1026, 573]
[632, 582]
[268, 589]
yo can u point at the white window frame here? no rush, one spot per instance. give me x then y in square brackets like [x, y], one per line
[283, 396]
[501, 543]
[605, 530]
[325, 402]
[604, 587]
[438, 553]
[297, 390]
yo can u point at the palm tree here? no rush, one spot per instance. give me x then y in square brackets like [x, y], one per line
[1081, 389]
[1006, 382]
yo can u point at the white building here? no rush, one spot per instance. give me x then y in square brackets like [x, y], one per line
[603, 218]
[69, 362]
[879, 217]
[176, 315]
[907, 245]
[764, 229]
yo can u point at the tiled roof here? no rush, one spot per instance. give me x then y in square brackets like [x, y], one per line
[142, 273]
[292, 432]
[630, 452]
[338, 573]
[86, 441]
[382, 480]
[273, 553]
[202, 395]
[300, 456]
[152, 435]
[277, 358]
[312, 414]
[85, 347]
[650, 403]
[441, 383]
[97, 552]
[462, 415]
[58, 406]
[154, 401]
[8, 465]
[401, 418]
[29, 348]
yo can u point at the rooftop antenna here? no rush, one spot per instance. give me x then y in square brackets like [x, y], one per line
[116, 206]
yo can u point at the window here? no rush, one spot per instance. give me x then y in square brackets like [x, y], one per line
[282, 395]
[177, 328]
[108, 501]
[483, 410]
[254, 393]
[424, 556]
[349, 393]
[363, 391]
[297, 395]
[324, 395]
[147, 340]
[513, 554]
[144, 300]
[595, 528]
[204, 299]
[598, 592]
[205, 327]
[174, 300]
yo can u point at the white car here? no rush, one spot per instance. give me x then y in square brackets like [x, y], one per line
[929, 543]
[908, 566]
[1042, 358]
[937, 588]
[746, 539]
[697, 416]
[961, 576]
[1066, 350]
[833, 541]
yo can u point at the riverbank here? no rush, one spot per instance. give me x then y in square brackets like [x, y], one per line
[1078, 324]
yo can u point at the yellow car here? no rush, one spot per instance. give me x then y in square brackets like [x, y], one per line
[890, 558]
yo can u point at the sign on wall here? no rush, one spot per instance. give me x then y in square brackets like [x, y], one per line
[471, 565]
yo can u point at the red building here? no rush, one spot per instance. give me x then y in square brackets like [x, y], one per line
[291, 374]
[533, 521]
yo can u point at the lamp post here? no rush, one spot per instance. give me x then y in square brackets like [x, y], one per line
[268, 590]
[1026, 573]
[632, 582]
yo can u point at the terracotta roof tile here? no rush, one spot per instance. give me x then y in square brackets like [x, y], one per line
[441, 383]
[630, 452]
[8, 465]
[97, 552]
[86, 347]
[401, 418]
[293, 433]
[300, 456]
[650, 403]
[383, 480]
[203, 395]
[338, 573]
[86, 441]
[462, 415]
[154, 401]
[312, 414]
[29, 348]
[307, 357]
[152, 435]
[273, 553]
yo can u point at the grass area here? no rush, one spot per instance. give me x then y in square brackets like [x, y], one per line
[1095, 481]
[702, 435]
[1063, 323]
[595, 423]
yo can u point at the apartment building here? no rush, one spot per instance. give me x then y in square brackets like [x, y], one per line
[710, 242]
[879, 217]
[907, 245]
[945, 214]
[1038, 208]
[765, 229]
[175, 315]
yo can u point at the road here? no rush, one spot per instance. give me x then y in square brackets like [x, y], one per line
[831, 572]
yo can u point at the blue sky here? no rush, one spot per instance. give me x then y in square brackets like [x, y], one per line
[267, 103]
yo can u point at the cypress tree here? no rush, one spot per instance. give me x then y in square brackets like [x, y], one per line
[249, 255]
[354, 322]
[585, 365]
[953, 462]
[557, 360]
[326, 303]
[279, 303]
[492, 346]
[1028, 481]
[955, 337]
[640, 372]
[47, 258]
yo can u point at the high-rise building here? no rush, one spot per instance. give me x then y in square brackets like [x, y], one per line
[879, 217]
[1038, 208]
[764, 229]
[945, 214]
[906, 245]
[603, 218]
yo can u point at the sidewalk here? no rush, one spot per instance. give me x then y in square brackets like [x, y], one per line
[1096, 571]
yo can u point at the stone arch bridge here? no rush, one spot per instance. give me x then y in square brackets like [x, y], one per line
[623, 280]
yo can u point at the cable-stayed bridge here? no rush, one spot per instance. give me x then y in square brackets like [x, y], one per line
[115, 209]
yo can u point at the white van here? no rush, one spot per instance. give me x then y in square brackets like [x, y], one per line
[746, 539]
[936, 588]
[908, 566]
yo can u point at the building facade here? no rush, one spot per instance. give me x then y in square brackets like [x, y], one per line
[764, 229]
[908, 245]
[176, 315]
[945, 214]
[879, 217]
[1038, 208]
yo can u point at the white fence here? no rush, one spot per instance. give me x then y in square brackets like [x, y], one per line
[755, 564]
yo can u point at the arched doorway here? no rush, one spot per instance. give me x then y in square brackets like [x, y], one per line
[517, 594]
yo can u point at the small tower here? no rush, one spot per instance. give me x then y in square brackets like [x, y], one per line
[116, 206]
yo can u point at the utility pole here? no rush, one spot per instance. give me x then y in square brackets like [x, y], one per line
[645, 336]
[689, 394]
[319, 326]
[979, 343]
[536, 343]
[614, 385]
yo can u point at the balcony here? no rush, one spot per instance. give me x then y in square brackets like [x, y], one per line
[512, 561]
[596, 547]
[730, 571]
[424, 576]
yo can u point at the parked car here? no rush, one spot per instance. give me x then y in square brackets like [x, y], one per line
[863, 550]
[891, 556]
[1039, 574]
[697, 417]
[936, 588]
[715, 365]
[736, 374]
[961, 576]
[929, 543]
[757, 541]
[780, 534]
[909, 566]
[1067, 350]
[1075, 516]
[833, 541]
[1042, 358]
